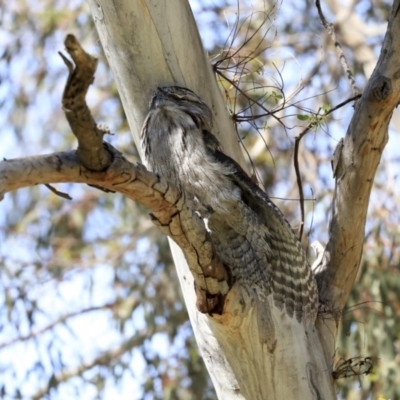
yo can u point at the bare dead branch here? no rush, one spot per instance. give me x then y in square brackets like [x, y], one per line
[90, 137]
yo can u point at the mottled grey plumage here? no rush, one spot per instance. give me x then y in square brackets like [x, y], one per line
[249, 232]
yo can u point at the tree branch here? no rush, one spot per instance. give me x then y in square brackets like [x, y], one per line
[166, 203]
[331, 31]
[100, 165]
[90, 137]
[296, 159]
[357, 160]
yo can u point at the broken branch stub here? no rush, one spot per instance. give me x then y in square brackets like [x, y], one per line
[91, 151]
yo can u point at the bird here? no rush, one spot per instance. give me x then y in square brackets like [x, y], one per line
[249, 232]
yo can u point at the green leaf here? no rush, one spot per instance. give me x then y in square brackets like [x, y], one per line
[303, 117]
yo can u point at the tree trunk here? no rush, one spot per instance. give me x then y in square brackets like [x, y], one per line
[151, 43]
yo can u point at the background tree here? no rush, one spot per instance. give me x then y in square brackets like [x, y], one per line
[38, 265]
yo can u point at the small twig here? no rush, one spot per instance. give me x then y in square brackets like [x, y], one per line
[298, 180]
[331, 32]
[343, 103]
[287, 199]
[313, 211]
[296, 158]
[241, 91]
[355, 366]
[58, 193]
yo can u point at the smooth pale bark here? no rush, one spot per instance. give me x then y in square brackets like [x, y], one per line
[355, 164]
[154, 43]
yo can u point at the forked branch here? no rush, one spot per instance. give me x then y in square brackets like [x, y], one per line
[99, 164]
[356, 162]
